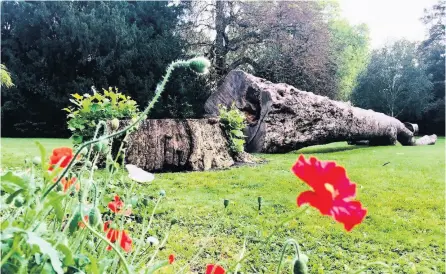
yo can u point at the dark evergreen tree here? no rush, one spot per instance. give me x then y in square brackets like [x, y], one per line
[53, 49]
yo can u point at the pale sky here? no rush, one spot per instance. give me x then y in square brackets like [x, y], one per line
[388, 20]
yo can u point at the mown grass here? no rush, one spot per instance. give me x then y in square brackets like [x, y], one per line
[405, 226]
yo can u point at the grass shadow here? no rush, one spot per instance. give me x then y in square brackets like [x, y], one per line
[322, 149]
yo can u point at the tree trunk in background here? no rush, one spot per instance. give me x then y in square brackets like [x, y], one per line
[174, 145]
[220, 41]
[282, 118]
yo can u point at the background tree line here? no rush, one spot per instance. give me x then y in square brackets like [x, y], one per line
[53, 49]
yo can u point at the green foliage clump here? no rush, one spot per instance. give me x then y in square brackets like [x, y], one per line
[233, 123]
[91, 109]
[5, 77]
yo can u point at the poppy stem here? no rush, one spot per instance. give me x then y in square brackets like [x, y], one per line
[144, 232]
[97, 234]
[296, 248]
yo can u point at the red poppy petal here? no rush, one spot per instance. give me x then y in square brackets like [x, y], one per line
[214, 269]
[171, 258]
[112, 206]
[126, 241]
[349, 213]
[322, 202]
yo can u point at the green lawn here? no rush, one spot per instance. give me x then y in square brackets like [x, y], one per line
[405, 226]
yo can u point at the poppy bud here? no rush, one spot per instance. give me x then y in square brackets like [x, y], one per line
[105, 147]
[84, 151]
[226, 203]
[115, 124]
[94, 216]
[88, 164]
[134, 201]
[162, 192]
[97, 147]
[259, 200]
[300, 264]
[37, 160]
[74, 224]
[145, 201]
[59, 187]
[200, 65]
[173, 221]
[19, 201]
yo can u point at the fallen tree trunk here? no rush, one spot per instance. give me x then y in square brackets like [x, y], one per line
[426, 140]
[175, 145]
[282, 118]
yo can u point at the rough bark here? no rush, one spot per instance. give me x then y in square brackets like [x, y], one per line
[282, 118]
[426, 140]
[175, 145]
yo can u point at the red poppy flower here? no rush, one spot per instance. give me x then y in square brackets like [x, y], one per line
[64, 154]
[114, 234]
[333, 193]
[171, 258]
[116, 205]
[126, 241]
[68, 183]
[214, 269]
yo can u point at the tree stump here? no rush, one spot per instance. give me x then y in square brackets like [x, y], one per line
[282, 118]
[176, 145]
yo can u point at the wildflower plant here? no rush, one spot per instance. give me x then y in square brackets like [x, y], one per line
[60, 218]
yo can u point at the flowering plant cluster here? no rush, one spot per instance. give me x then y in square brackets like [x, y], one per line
[58, 217]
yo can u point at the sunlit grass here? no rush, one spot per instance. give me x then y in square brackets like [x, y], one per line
[402, 188]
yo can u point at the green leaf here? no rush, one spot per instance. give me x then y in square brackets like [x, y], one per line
[104, 264]
[11, 183]
[157, 266]
[47, 269]
[46, 248]
[81, 260]
[237, 133]
[66, 251]
[95, 107]
[54, 200]
[77, 139]
[93, 266]
[75, 102]
[13, 195]
[77, 96]
[42, 156]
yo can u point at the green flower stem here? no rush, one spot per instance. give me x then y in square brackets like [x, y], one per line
[269, 238]
[97, 234]
[296, 248]
[158, 249]
[143, 234]
[237, 268]
[9, 254]
[158, 91]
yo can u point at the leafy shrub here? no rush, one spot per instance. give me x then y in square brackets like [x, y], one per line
[90, 109]
[233, 123]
